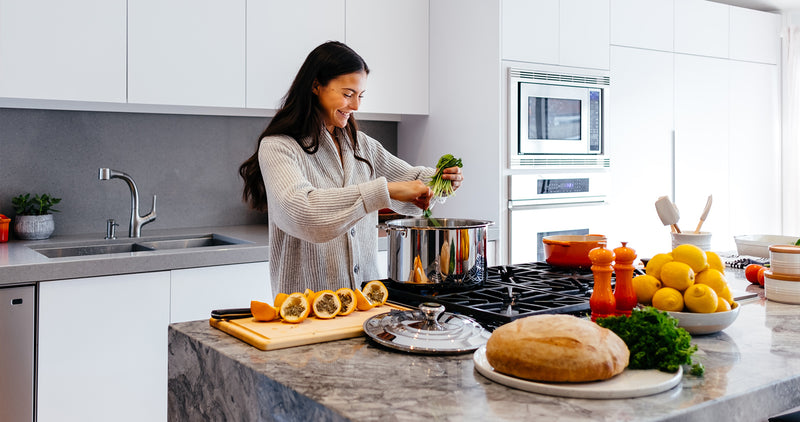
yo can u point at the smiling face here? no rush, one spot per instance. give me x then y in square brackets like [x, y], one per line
[340, 97]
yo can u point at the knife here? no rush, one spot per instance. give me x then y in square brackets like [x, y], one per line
[233, 313]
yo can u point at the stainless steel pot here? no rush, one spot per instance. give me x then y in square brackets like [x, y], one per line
[440, 252]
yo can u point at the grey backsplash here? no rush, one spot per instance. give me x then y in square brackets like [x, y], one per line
[190, 161]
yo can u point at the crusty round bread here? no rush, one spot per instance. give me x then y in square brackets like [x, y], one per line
[556, 348]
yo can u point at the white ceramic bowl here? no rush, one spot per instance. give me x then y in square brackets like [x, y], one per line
[782, 288]
[696, 323]
[758, 244]
[784, 259]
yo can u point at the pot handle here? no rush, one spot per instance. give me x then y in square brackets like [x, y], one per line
[403, 231]
[557, 242]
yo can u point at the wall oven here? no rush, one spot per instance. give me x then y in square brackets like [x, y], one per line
[556, 119]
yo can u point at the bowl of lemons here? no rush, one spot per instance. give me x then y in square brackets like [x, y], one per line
[690, 285]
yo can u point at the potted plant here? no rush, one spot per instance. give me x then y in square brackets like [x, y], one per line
[34, 220]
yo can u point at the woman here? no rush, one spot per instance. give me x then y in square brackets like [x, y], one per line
[322, 181]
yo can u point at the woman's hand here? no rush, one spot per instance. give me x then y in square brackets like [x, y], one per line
[454, 175]
[413, 191]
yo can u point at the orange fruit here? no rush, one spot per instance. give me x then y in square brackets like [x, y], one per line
[348, 299]
[362, 302]
[295, 308]
[376, 292]
[326, 304]
[309, 294]
[279, 298]
[263, 311]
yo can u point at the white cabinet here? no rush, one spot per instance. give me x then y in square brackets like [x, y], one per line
[102, 350]
[754, 36]
[562, 32]
[701, 28]
[702, 144]
[392, 37]
[642, 23]
[754, 149]
[280, 34]
[194, 292]
[63, 50]
[640, 123]
[187, 52]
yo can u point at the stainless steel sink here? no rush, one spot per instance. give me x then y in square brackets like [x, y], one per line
[141, 245]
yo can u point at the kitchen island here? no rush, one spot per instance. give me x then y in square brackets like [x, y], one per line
[752, 372]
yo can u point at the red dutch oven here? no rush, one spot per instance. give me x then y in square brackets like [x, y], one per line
[571, 250]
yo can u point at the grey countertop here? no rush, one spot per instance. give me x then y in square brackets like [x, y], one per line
[19, 264]
[752, 372]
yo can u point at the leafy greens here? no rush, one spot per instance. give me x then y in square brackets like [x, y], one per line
[438, 185]
[654, 340]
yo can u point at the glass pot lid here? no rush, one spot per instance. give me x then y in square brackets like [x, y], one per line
[427, 330]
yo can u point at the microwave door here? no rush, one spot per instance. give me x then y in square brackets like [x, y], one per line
[553, 119]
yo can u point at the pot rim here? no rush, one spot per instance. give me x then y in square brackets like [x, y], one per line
[426, 224]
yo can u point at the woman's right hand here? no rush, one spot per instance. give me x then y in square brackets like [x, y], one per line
[413, 191]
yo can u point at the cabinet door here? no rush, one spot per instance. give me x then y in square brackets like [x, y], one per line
[701, 27]
[187, 52]
[392, 37]
[642, 23]
[63, 50]
[530, 31]
[701, 145]
[755, 35]
[640, 122]
[195, 292]
[755, 149]
[584, 33]
[102, 352]
[271, 65]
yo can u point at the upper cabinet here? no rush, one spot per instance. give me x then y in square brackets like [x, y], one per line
[754, 36]
[280, 34]
[642, 24]
[392, 37]
[58, 50]
[701, 28]
[571, 33]
[187, 52]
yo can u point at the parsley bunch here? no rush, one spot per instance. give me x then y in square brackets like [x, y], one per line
[438, 185]
[654, 340]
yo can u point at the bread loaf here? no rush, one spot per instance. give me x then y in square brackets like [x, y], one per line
[556, 348]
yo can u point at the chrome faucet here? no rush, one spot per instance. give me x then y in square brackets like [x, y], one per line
[135, 229]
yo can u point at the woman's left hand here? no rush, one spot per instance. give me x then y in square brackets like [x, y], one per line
[454, 175]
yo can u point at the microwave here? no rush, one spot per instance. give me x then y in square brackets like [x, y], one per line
[557, 118]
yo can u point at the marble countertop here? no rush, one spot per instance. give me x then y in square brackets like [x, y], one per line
[19, 264]
[752, 372]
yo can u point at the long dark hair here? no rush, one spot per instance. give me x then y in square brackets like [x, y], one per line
[299, 117]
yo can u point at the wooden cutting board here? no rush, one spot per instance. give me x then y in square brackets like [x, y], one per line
[279, 335]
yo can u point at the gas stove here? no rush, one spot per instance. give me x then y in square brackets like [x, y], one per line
[510, 292]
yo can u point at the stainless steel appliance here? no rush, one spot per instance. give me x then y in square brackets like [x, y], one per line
[17, 313]
[550, 203]
[556, 119]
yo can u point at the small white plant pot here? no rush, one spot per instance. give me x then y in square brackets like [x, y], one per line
[34, 227]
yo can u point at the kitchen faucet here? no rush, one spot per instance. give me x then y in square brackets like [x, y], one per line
[135, 229]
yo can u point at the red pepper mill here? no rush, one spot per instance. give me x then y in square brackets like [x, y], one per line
[602, 301]
[624, 293]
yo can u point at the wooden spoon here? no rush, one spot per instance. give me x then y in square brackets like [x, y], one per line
[704, 215]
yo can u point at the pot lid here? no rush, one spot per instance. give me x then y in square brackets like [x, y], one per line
[427, 330]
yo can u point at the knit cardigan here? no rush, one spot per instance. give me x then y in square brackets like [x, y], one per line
[323, 211]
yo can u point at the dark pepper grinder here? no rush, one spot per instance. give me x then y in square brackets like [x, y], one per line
[624, 293]
[602, 301]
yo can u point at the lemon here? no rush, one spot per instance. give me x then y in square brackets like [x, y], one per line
[677, 275]
[645, 287]
[715, 262]
[723, 305]
[668, 299]
[691, 255]
[701, 298]
[655, 263]
[716, 280]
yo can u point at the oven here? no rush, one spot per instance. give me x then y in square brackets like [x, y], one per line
[554, 203]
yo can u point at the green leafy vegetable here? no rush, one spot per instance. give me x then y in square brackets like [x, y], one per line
[439, 186]
[654, 340]
[797, 243]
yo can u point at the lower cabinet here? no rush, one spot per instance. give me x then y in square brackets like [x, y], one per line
[102, 350]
